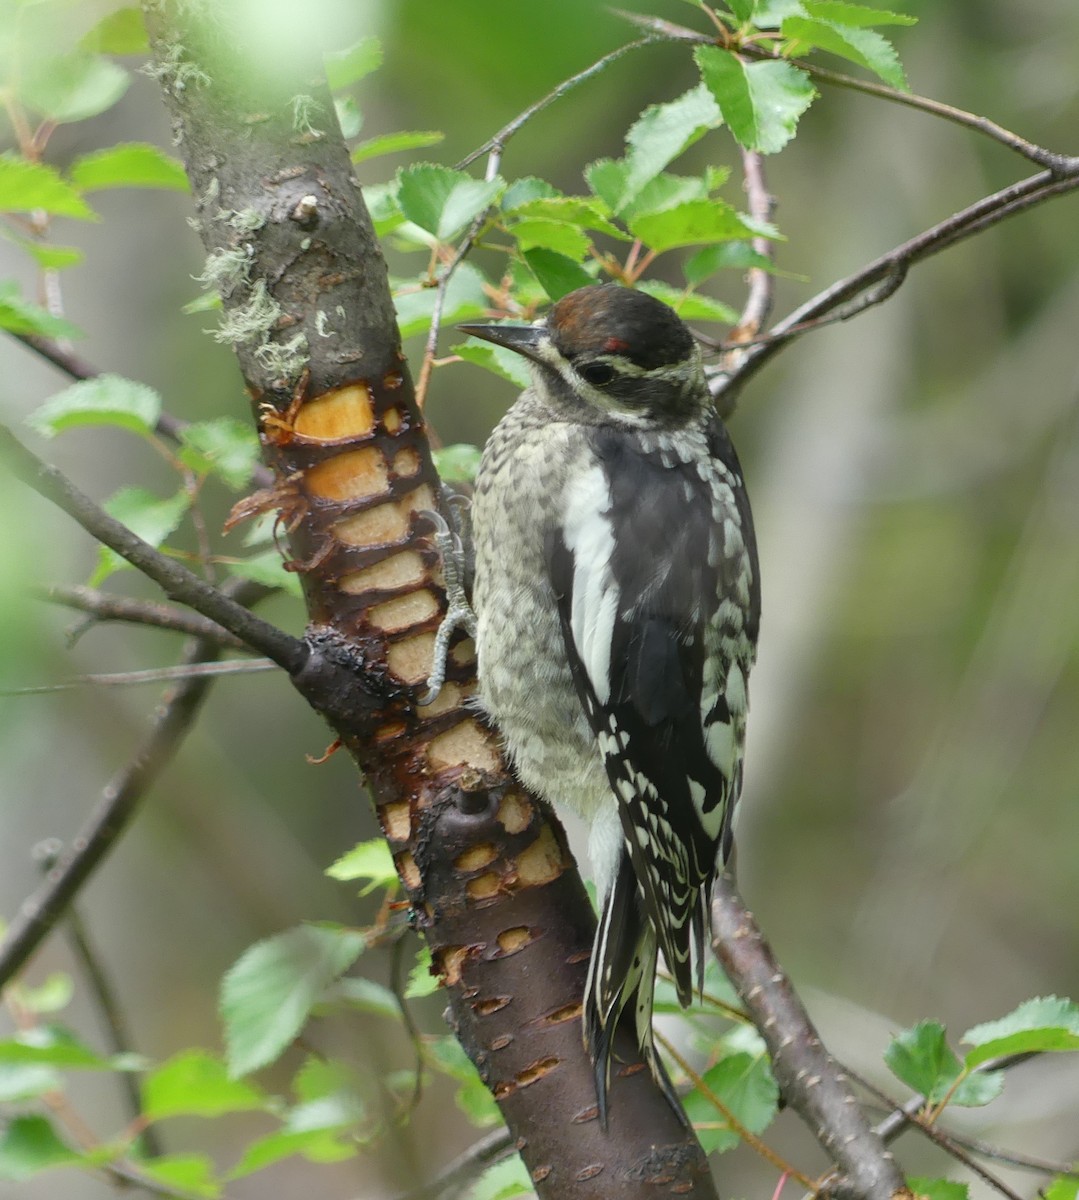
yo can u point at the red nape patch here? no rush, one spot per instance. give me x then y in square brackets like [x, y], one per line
[616, 346]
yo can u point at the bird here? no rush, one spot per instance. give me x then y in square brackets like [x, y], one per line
[615, 609]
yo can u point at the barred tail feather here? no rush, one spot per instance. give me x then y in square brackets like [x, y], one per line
[621, 983]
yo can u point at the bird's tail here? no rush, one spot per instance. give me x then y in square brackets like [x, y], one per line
[620, 986]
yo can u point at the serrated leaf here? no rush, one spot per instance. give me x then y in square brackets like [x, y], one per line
[268, 569]
[664, 131]
[472, 1096]
[50, 1046]
[581, 211]
[27, 1081]
[760, 101]
[75, 87]
[688, 305]
[557, 274]
[525, 189]
[938, 1189]
[738, 256]
[103, 400]
[770, 14]
[865, 47]
[496, 359]
[192, 1174]
[25, 186]
[922, 1059]
[422, 981]
[21, 316]
[317, 1145]
[504, 1181]
[381, 201]
[553, 235]
[394, 143]
[744, 1083]
[370, 860]
[267, 995]
[1042, 1024]
[196, 1084]
[693, 223]
[465, 299]
[30, 1144]
[130, 164]
[458, 463]
[147, 515]
[121, 32]
[224, 446]
[348, 66]
[858, 15]
[443, 201]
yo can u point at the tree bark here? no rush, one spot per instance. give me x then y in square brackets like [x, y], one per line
[493, 888]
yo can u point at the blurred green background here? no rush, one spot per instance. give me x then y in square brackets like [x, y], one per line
[908, 834]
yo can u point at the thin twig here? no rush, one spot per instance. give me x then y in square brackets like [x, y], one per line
[110, 816]
[499, 140]
[104, 996]
[1016, 198]
[200, 670]
[810, 1079]
[735, 1126]
[465, 1167]
[177, 581]
[107, 606]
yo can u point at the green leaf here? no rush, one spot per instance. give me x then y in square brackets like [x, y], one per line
[317, 1145]
[121, 32]
[738, 256]
[267, 995]
[559, 236]
[21, 316]
[688, 305]
[51, 1046]
[472, 1097]
[922, 1059]
[745, 1085]
[938, 1189]
[770, 14]
[27, 1082]
[465, 299]
[349, 117]
[51, 257]
[267, 568]
[367, 996]
[460, 462]
[664, 131]
[609, 180]
[443, 201]
[689, 224]
[345, 67]
[192, 1174]
[196, 1084]
[367, 860]
[742, 9]
[25, 186]
[854, 14]
[29, 1145]
[103, 400]
[225, 447]
[527, 188]
[504, 1181]
[581, 211]
[557, 274]
[394, 143]
[75, 87]
[147, 515]
[496, 359]
[130, 164]
[1042, 1024]
[865, 47]
[1062, 1188]
[422, 980]
[761, 101]
[49, 997]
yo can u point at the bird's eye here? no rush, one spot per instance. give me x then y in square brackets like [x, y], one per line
[598, 374]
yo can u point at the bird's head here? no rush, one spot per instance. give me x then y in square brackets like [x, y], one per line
[607, 354]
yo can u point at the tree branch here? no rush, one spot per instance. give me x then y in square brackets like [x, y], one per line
[809, 1078]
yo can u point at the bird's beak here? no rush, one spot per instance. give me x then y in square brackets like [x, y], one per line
[522, 339]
